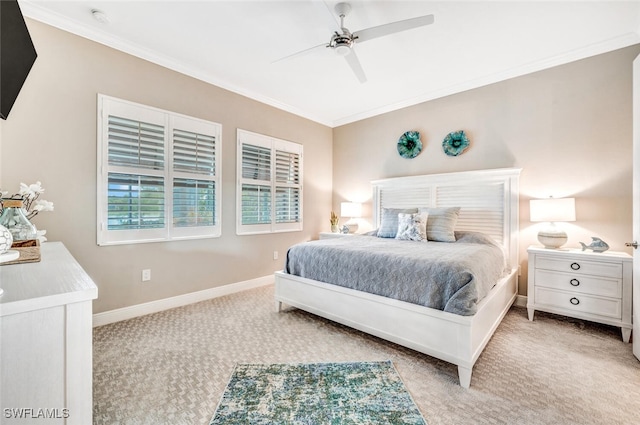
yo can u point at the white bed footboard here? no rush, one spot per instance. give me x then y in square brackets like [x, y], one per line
[446, 336]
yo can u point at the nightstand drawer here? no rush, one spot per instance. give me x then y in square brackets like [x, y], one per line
[579, 303]
[575, 282]
[594, 268]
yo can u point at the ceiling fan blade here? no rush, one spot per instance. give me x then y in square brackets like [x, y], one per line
[354, 63]
[393, 27]
[301, 53]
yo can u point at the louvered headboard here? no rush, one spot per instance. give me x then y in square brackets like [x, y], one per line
[488, 201]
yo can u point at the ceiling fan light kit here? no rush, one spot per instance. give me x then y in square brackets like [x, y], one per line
[342, 42]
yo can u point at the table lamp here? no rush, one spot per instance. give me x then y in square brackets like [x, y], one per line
[552, 210]
[352, 210]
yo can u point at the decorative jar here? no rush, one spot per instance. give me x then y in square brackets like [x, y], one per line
[15, 220]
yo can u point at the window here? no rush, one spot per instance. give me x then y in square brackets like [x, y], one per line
[158, 174]
[269, 193]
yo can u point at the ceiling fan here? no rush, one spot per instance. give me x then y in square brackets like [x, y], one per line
[342, 41]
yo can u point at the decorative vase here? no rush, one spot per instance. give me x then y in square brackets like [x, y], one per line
[335, 228]
[15, 220]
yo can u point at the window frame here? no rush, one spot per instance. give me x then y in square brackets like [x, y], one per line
[274, 145]
[169, 120]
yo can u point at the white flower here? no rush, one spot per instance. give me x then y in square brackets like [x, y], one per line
[40, 235]
[32, 190]
[42, 205]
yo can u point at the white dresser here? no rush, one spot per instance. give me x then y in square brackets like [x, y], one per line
[46, 340]
[581, 284]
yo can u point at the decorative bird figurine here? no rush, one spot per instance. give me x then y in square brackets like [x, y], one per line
[597, 245]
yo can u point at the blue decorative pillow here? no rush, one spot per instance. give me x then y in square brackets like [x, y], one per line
[412, 227]
[389, 222]
[441, 223]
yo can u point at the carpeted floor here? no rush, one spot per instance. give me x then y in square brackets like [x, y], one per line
[172, 367]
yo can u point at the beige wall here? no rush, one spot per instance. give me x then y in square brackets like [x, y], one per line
[569, 129]
[51, 136]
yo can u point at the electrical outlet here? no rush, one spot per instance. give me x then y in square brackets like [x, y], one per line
[275, 255]
[146, 275]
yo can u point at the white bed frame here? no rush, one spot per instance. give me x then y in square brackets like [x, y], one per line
[489, 203]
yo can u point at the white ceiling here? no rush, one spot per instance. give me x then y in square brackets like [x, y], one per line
[234, 44]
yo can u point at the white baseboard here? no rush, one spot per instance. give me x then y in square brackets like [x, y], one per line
[521, 301]
[130, 312]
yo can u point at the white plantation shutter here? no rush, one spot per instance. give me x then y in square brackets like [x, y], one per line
[135, 143]
[256, 163]
[193, 203]
[196, 201]
[287, 187]
[269, 184]
[256, 185]
[256, 204]
[135, 202]
[158, 174]
[193, 152]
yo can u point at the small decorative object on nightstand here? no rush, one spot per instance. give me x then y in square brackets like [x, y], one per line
[334, 223]
[596, 245]
[581, 284]
[552, 210]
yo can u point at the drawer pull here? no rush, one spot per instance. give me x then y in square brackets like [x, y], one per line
[575, 266]
[574, 282]
[574, 301]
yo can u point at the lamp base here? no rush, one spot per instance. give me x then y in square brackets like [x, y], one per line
[552, 237]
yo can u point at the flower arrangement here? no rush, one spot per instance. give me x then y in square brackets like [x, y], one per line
[334, 219]
[334, 222]
[32, 205]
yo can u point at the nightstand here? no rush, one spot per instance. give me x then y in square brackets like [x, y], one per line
[582, 284]
[330, 235]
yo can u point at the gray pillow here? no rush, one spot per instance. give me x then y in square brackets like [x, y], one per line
[441, 223]
[389, 222]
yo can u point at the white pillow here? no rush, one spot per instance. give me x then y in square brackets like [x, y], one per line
[412, 227]
[441, 223]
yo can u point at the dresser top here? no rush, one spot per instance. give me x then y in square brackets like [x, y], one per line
[538, 249]
[57, 279]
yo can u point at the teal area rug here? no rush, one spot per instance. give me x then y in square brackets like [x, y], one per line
[317, 393]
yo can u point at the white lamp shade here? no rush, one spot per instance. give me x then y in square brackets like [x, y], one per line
[552, 209]
[351, 209]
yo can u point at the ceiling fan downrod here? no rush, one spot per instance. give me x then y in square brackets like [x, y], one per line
[342, 43]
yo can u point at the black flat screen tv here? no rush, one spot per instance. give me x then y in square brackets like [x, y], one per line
[17, 54]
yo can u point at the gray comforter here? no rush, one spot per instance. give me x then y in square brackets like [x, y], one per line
[449, 276]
